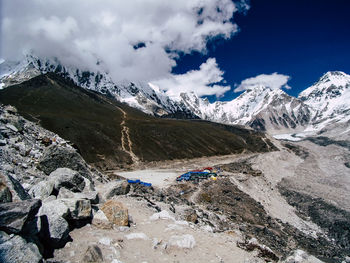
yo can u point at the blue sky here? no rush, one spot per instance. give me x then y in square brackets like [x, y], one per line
[299, 38]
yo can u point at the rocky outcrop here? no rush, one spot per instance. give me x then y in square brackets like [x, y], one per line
[42, 224]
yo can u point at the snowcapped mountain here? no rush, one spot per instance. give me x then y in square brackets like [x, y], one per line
[136, 94]
[325, 103]
[261, 108]
[329, 99]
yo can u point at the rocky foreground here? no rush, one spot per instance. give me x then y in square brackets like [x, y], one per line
[54, 207]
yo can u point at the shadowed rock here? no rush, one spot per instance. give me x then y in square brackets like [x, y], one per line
[14, 187]
[15, 215]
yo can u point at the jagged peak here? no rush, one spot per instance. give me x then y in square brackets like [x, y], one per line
[332, 76]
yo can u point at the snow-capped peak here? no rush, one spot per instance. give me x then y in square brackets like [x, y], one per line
[329, 99]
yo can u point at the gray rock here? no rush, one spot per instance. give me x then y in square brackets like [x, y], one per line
[117, 188]
[17, 191]
[93, 254]
[65, 177]
[58, 157]
[58, 230]
[15, 249]
[14, 216]
[42, 190]
[92, 196]
[89, 186]
[11, 127]
[52, 216]
[79, 209]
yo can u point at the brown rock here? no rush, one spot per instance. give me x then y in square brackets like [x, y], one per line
[116, 212]
[191, 216]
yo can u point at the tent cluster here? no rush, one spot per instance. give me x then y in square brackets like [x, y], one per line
[196, 175]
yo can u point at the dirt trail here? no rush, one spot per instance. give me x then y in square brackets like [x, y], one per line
[125, 135]
[125, 139]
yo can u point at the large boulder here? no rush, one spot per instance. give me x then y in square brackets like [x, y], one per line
[116, 212]
[58, 157]
[65, 177]
[117, 188]
[14, 249]
[55, 226]
[15, 216]
[13, 186]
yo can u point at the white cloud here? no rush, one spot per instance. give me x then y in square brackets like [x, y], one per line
[273, 81]
[205, 81]
[80, 32]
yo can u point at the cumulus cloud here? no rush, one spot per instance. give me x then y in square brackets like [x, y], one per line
[135, 39]
[205, 81]
[273, 81]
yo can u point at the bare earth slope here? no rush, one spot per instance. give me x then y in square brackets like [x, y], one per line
[110, 134]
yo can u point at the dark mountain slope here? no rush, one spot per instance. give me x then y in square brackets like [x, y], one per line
[97, 124]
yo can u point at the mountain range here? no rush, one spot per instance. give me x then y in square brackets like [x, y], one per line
[111, 135]
[325, 104]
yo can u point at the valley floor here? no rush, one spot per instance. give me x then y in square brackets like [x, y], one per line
[302, 170]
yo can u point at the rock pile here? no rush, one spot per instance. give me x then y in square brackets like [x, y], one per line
[46, 190]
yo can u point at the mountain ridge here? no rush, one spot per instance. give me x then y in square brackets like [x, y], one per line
[261, 108]
[110, 134]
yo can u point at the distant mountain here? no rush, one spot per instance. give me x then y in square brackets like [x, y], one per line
[326, 103]
[261, 108]
[110, 134]
[328, 99]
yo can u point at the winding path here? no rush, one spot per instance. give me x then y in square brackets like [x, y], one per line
[125, 139]
[125, 134]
